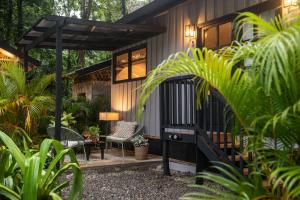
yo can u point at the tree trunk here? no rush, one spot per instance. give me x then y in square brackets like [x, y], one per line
[8, 21]
[20, 18]
[123, 7]
[85, 12]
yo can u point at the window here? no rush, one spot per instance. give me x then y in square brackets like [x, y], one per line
[130, 65]
[218, 35]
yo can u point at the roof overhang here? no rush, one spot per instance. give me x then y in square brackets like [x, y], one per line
[91, 69]
[154, 8]
[79, 34]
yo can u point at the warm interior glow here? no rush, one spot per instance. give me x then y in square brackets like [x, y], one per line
[138, 68]
[225, 34]
[211, 38]
[122, 72]
[7, 56]
[109, 116]
[288, 3]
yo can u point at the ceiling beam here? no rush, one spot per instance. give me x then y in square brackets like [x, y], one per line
[134, 36]
[38, 40]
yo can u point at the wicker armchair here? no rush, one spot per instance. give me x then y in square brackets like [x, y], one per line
[70, 138]
[116, 138]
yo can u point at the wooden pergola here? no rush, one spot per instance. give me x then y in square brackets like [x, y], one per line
[57, 32]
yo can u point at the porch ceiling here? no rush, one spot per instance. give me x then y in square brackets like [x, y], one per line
[79, 34]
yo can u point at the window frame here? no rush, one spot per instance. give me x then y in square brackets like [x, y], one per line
[129, 52]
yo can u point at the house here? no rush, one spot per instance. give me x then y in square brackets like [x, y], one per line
[142, 40]
[9, 53]
[93, 81]
[190, 23]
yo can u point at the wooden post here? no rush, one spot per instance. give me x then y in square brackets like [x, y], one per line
[58, 83]
[166, 157]
[25, 60]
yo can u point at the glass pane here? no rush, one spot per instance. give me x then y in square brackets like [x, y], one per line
[210, 38]
[138, 69]
[121, 72]
[138, 54]
[225, 34]
[248, 32]
[122, 59]
[268, 15]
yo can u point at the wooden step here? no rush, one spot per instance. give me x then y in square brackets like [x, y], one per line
[230, 145]
[221, 137]
[238, 157]
[246, 171]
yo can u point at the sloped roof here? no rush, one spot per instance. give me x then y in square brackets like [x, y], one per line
[4, 45]
[149, 10]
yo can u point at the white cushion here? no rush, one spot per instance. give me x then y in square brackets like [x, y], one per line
[125, 129]
[116, 139]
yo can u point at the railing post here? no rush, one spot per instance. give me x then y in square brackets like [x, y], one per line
[166, 157]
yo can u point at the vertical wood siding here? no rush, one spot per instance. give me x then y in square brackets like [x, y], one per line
[125, 95]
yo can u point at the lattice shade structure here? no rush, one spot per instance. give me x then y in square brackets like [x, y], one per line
[57, 32]
[79, 34]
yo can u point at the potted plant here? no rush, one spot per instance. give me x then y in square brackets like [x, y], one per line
[141, 146]
[93, 133]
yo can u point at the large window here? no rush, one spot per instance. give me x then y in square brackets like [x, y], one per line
[130, 65]
[218, 35]
[219, 32]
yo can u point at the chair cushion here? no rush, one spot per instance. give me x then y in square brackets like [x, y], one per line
[115, 139]
[125, 129]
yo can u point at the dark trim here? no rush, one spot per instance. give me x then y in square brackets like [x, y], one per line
[150, 10]
[91, 69]
[129, 51]
[257, 8]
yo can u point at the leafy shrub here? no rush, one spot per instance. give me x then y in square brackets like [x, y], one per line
[139, 141]
[27, 175]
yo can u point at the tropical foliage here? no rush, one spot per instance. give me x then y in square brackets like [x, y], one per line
[265, 100]
[33, 175]
[22, 102]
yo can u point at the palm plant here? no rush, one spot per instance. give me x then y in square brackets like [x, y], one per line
[22, 102]
[30, 175]
[264, 98]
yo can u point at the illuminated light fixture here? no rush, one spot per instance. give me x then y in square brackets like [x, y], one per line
[108, 116]
[6, 53]
[290, 3]
[190, 31]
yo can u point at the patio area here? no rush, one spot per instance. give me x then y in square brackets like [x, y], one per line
[113, 157]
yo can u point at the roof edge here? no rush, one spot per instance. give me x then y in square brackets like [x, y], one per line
[149, 10]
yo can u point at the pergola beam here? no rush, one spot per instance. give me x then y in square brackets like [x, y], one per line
[106, 25]
[93, 35]
[37, 41]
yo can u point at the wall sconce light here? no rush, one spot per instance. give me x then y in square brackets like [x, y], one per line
[190, 31]
[290, 3]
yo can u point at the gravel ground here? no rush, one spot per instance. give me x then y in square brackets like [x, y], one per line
[144, 182]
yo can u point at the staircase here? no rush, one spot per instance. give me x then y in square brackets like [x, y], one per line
[206, 128]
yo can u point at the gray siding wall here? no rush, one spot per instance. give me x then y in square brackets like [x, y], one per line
[125, 95]
[92, 89]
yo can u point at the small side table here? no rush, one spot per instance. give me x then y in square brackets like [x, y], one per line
[91, 144]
